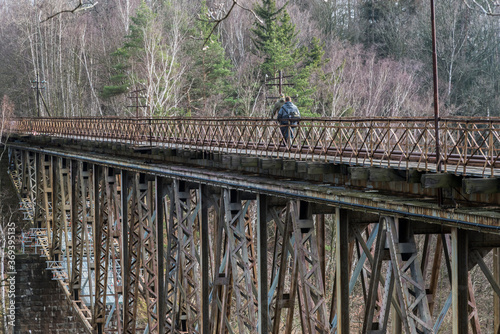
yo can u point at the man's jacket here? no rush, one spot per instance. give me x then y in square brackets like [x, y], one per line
[289, 111]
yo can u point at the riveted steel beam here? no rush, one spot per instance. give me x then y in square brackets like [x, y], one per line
[459, 278]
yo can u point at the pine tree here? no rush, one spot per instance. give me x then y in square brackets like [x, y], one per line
[210, 71]
[276, 42]
[124, 56]
[275, 38]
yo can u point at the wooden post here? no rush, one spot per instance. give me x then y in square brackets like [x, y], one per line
[459, 279]
[342, 270]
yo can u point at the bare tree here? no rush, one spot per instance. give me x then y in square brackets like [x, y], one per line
[77, 7]
[7, 111]
[488, 7]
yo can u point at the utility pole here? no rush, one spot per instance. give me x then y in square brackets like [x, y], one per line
[38, 85]
[280, 83]
[136, 97]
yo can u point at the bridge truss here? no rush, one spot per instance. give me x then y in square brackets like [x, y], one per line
[141, 251]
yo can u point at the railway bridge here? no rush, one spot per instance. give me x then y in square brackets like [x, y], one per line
[193, 225]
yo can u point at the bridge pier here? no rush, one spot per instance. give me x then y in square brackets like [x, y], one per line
[459, 277]
[143, 252]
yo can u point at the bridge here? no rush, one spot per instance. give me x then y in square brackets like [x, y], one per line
[217, 225]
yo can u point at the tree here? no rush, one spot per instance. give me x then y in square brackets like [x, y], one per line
[149, 59]
[210, 71]
[276, 41]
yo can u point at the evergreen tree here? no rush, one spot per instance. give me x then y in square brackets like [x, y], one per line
[275, 39]
[210, 72]
[134, 43]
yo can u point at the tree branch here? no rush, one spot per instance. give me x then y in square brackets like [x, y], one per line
[80, 6]
[477, 6]
[251, 11]
[218, 21]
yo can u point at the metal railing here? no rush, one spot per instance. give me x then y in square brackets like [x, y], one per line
[465, 144]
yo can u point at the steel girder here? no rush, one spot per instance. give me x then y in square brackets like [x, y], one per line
[112, 220]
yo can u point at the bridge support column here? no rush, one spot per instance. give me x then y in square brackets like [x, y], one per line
[263, 311]
[124, 213]
[205, 262]
[160, 203]
[285, 262]
[102, 215]
[342, 270]
[496, 298]
[75, 229]
[459, 278]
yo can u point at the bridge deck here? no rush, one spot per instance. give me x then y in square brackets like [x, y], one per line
[465, 145]
[393, 200]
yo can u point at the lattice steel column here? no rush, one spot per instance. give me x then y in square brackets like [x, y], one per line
[240, 242]
[133, 259]
[459, 278]
[377, 321]
[39, 192]
[64, 208]
[204, 261]
[172, 266]
[221, 289]
[103, 218]
[285, 267]
[29, 182]
[46, 182]
[496, 298]
[80, 176]
[58, 211]
[149, 248]
[410, 285]
[310, 283]
[263, 316]
[160, 201]
[182, 288]
[342, 260]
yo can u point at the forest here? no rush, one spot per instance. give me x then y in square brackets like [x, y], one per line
[157, 58]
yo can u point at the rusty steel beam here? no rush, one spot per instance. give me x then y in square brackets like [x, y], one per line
[459, 278]
[213, 276]
[59, 215]
[410, 284]
[496, 297]
[263, 309]
[134, 250]
[160, 198]
[149, 247]
[285, 267]
[101, 246]
[204, 262]
[78, 189]
[342, 270]
[239, 252]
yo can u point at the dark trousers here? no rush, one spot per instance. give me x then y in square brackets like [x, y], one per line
[287, 130]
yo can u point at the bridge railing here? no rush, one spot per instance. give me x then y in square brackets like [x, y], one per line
[465, 144]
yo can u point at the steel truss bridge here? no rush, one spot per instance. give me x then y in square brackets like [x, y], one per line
[218, 226]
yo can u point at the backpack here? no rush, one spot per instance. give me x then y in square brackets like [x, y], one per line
[289, 110]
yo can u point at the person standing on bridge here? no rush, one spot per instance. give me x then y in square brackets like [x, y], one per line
[288, 117]
[277, 106]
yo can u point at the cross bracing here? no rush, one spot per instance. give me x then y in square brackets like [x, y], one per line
[212, 248]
